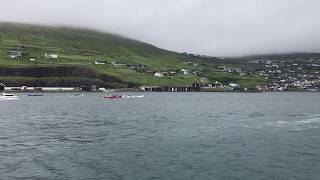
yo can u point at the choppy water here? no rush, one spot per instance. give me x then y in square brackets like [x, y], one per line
[162, 136]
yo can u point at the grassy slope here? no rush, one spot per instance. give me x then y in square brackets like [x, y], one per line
[83, 47]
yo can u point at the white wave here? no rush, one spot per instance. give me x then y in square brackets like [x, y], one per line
[310, 120]
[277, 123]
[9, 99]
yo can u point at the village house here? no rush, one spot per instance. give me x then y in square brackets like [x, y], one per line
[233, 86]
[215, 85]
[51, 56]
[146, 71]
[184, 71]
[100, 62]
[119, 64]
[33, 60]
[275, 65]
[14, 54]
[132, 66]
[268, 62]
[158, 74]
[196, 73]
[172, 72]
[137, 66]
[232, 69]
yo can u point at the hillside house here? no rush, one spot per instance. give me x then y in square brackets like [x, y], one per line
[119, 64]
[33, 60]
[172, 73]
[232, 70]
[233, 86]
[185, 72]
[268, 62]
[51, 56]
[138, 66]
[215, 85]
[132, 66]
[158, 74]
[100, 62]
[14, 54]
[146, 71]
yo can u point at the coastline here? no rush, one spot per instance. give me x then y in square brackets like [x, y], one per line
[138, 90]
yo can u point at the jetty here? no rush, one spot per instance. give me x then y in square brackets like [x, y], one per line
[167, 89]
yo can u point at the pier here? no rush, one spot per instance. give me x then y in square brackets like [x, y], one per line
[166, 89]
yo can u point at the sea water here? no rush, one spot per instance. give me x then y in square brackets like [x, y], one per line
[245, 136]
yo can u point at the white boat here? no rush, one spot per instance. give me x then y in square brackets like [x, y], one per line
[134, 96]
[75, 95]
[6, 96]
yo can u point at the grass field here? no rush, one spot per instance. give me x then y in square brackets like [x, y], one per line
[82, 47]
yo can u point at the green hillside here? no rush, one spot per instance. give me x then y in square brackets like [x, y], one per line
[80, 48]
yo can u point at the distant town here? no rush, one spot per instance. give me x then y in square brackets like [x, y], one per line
[284, 74]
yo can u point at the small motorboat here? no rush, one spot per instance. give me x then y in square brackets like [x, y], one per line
[114, 97]
[35, 95]
[6, 96]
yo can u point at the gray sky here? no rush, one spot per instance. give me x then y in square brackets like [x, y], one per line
[212, 27]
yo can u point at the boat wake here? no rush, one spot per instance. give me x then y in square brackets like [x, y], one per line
[314, 119]
[9, 97]
[2, 98]
[313, 122]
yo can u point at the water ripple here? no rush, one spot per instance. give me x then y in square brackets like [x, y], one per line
[163, 136]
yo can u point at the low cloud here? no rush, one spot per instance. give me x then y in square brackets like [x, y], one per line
[212, 27]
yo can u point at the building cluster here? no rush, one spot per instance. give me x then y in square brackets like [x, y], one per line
[235, 70]
[144, 69]
[284, 74]
[218, 86]
[293, 73]
[15, 54]
[140, 68]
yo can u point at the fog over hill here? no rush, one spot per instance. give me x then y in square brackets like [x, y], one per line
[212, 27]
